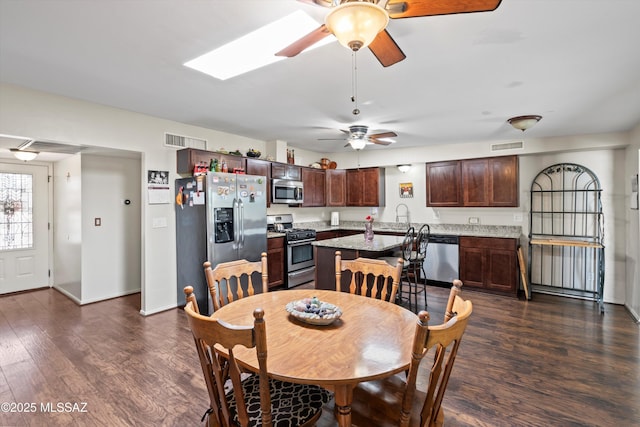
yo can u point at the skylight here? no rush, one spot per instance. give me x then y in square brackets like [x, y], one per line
[257, 48]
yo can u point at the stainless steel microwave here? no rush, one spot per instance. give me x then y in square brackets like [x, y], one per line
[286, 191]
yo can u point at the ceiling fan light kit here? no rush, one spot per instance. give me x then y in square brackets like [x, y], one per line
[356, 24]
[524, 122]
[357, 143]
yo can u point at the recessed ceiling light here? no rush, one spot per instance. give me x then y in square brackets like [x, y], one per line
[257, 48]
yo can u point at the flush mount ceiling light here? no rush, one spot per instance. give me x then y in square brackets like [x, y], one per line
[356, 24]
[524, 122]
[404, 168]
[24, 155]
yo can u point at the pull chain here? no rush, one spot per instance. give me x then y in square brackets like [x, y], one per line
[354, 83]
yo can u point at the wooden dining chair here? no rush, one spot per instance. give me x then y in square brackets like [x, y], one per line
[230, 281]
[256, 400]
[415, 398]
[370, 277]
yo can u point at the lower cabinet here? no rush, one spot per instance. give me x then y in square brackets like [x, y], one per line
[275, 261]
[489, 264]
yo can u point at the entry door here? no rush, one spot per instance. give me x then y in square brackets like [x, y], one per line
[24, 235]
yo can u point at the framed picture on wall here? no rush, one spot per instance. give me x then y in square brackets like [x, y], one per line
[406, 190]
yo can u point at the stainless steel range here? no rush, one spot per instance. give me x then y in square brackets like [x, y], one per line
[300, 261]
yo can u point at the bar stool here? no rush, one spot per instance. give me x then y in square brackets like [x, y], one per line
[418, 260]
[406, 253]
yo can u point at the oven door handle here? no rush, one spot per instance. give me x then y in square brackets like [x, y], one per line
[301, 242]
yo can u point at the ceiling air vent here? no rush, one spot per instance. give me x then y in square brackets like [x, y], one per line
[179, 141]
[508, 146]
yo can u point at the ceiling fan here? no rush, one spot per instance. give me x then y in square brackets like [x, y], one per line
[357, 137]
[361, 23]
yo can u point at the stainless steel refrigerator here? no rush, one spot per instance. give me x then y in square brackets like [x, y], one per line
[220, 217]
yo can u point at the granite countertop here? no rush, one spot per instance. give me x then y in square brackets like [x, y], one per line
[380, 243]
[472, 230]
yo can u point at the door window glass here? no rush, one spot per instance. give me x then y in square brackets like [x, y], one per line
[16, 211]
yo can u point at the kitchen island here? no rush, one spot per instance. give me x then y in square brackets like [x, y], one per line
[351, 247]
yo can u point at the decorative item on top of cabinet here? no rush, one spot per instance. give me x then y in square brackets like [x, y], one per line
[275, 261]
[365, 187]
[187, 158]
[314, 186]
[336, 187]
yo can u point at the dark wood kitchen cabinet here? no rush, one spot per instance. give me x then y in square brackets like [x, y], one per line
[489, 264]
[336, 187]
[286, 171]
[365, 187]
[261, 167]
[314, 186]
[490, 182]
[443, 184]
[484, 182]
[276, 261]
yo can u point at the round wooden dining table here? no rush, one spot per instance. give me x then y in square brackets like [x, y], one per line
[372, 339]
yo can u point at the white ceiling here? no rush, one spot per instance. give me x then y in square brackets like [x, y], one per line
[575, 62]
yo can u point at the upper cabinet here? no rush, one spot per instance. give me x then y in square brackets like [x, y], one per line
[336, 187]
[261, 167]
[314, 186]
[365, 187]
[443, 184]
[485, 182]
[286, 171]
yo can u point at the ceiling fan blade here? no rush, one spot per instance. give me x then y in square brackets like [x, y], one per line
[383, 135]
[415, 8]
[332, 139]
[301, 44]
[377, 141]
[386, 50]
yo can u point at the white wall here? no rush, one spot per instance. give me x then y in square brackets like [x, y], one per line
[50, 117]
[67, 222]
[111, 260]
[632, 227]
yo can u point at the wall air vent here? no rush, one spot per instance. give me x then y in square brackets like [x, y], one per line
[179, 141]
[508, 146]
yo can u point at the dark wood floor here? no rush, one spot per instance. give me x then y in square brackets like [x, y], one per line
[547, 362]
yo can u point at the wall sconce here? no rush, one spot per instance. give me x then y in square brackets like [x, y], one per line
[24, 155]
[524, 122]
[404, 168]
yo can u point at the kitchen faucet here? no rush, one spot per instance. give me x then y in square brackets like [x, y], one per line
[406, 214]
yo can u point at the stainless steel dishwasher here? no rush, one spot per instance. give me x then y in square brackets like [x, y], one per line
[442, 259]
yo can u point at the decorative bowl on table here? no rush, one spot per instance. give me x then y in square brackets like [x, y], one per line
[253, 153]
[314, 311]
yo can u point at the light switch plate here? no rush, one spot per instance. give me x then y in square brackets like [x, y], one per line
[517, 217]
[474, 220]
